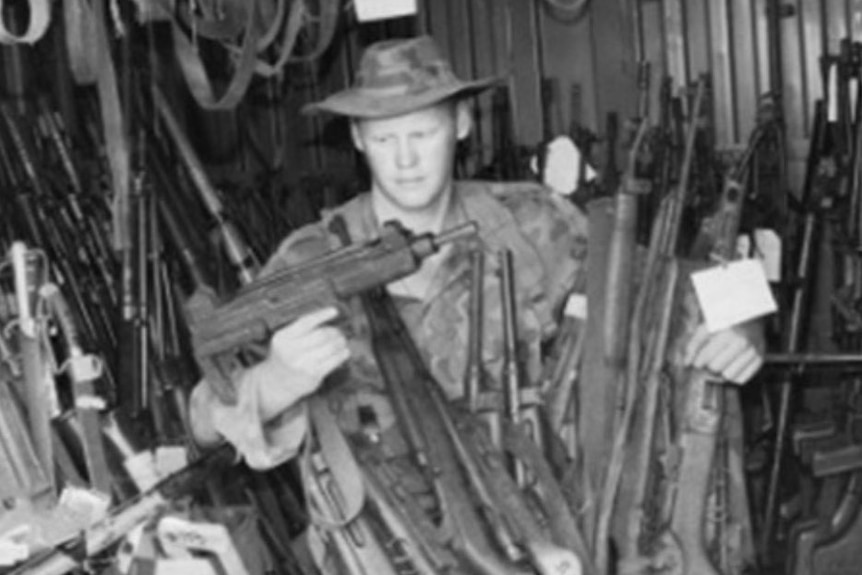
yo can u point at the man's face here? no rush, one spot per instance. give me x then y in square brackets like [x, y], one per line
[411, 156]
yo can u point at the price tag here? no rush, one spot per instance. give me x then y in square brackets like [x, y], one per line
[732, 293]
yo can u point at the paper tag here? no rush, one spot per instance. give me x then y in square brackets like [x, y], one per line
[192, 535]
[576, 306]
[732, 293]
[367, 10]
[767, 246]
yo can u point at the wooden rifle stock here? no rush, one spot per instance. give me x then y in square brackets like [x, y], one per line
[398, 358]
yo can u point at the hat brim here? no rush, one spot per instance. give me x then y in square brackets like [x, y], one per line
[364, 103]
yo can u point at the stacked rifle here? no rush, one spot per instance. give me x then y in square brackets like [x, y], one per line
[666, 488]
[815, 518]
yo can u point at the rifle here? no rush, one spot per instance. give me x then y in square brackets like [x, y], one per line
[522, 402]
[485, 403]
[464, 477]
[656, 291]
[260, 308]
[31, 330]
[237, 251]
[84, 370]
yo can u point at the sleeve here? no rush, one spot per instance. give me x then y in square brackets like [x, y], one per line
[263, 444]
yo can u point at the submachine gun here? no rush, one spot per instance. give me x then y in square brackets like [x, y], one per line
[220, 330]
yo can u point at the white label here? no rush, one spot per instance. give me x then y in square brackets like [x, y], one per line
[367, 10]
[193, 536]
[732, 293]
[576, 306]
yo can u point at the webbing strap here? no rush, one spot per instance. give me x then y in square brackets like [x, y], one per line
[40, 17]
[339, 459]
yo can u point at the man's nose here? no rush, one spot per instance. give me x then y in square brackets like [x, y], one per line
[406, 153]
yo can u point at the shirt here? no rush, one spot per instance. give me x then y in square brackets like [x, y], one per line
[547, 237]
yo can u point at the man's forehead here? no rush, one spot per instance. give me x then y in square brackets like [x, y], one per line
[435, 113]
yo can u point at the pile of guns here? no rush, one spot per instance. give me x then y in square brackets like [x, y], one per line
[815, 429]
[95, 354]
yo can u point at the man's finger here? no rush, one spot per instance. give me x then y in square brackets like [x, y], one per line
[322, 361]
[309, 321]
[717, 350]
[697, 340]
[300, 343]
[736, 369]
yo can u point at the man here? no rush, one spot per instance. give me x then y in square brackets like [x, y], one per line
[407, 113]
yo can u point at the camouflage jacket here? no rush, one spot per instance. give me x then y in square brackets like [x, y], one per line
[547, 236]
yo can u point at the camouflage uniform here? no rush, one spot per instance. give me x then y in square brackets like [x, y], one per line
[547, 235]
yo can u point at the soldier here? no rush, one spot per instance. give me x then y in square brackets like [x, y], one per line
[407, 112]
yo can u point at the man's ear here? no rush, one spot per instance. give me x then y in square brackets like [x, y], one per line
[463, 119]
[356, 136]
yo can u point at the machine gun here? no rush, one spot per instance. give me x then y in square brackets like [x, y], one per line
[220, 330]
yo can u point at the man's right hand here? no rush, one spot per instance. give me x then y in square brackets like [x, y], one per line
[306, 351]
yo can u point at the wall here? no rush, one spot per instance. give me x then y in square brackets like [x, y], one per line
[543, 57]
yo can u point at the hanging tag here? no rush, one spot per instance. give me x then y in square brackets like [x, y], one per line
[732, 293]
[576, 306]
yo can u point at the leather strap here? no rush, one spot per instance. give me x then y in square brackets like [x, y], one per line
[196, 75]
[40, 17]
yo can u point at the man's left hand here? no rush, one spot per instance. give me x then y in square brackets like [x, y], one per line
[736, 353]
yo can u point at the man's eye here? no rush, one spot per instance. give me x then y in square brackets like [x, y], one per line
[381, 139]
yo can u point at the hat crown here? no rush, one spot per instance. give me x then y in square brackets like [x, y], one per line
[397, 77]
[409, 66]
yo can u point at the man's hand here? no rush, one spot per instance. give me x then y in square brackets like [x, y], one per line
[735, 354]
[306, 351]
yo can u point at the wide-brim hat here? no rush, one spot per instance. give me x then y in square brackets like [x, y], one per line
[399, 76]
